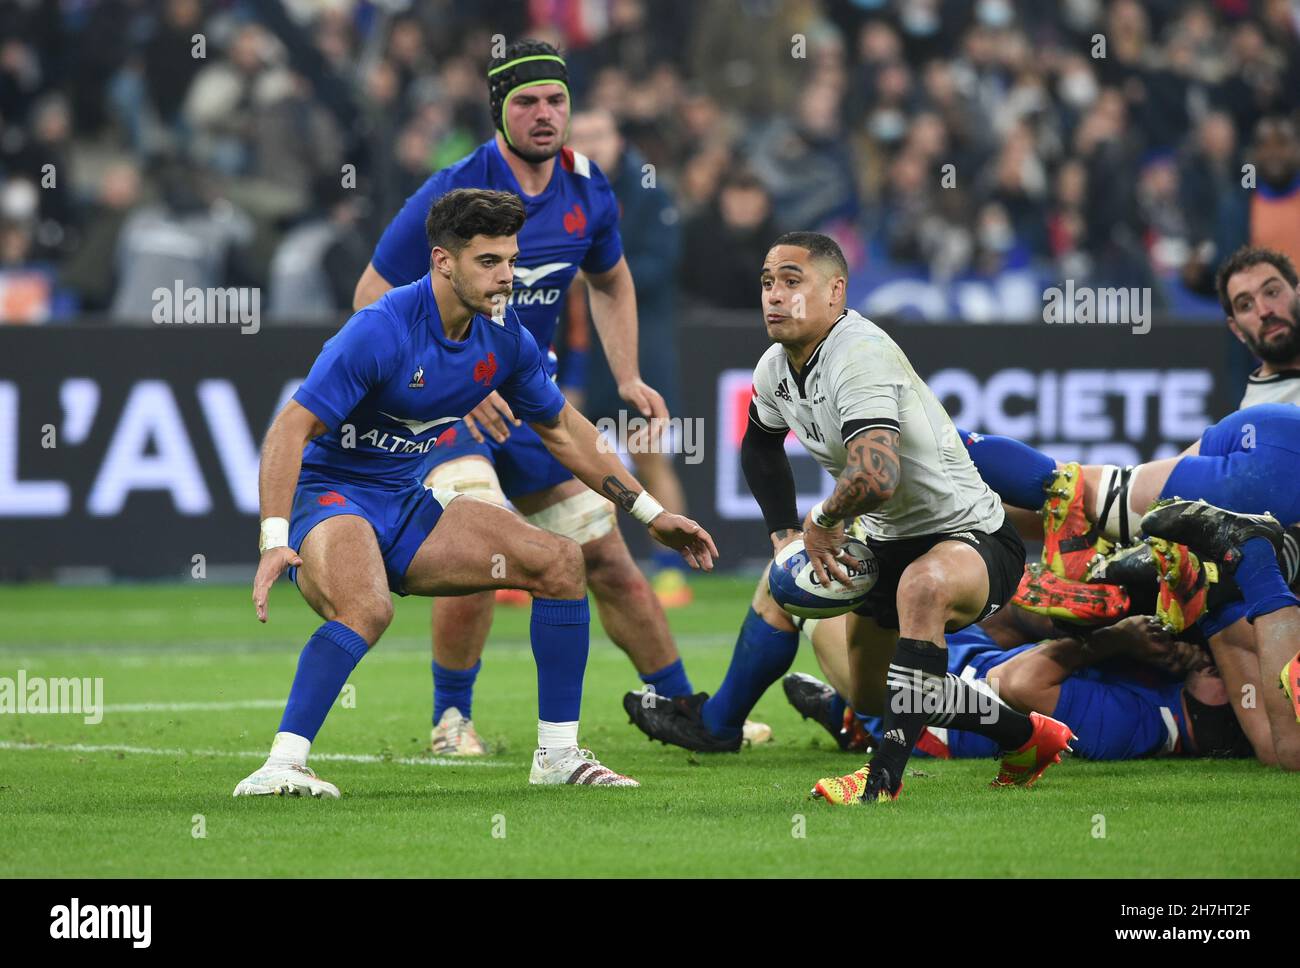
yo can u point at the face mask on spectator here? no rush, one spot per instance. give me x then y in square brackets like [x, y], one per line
[887, 125]
[994, 13]
[1078, 89]
[919, 21]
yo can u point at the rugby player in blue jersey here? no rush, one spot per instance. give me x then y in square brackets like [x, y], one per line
[572, 226]
[1128, 691]
[1219, 510]
[345, 510]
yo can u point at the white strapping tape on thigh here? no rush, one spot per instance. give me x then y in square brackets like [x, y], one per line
[583, 517]
[470, 476]
[1115, 518]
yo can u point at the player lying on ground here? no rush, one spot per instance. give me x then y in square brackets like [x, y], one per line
[1245, 467]
[572, 226]
[1130, 691]
[351, 520]
[946, 556]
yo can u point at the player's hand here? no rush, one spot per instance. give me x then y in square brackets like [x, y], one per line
[823, 546]
[685, 536]
[495, 416]
[782, 538]
[273, 564]
[646, 399]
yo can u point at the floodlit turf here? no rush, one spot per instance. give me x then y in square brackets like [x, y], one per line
[125, 797]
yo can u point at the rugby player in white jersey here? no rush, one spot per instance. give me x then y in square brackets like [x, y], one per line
[1260, 292]
[946, 556]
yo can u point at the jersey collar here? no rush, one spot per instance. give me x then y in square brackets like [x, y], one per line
[802, 374]
[1273, 377]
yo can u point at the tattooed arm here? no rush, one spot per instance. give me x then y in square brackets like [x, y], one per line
[871, 474]
[575, 443]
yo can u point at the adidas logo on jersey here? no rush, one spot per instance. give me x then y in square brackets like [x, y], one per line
[783, 392]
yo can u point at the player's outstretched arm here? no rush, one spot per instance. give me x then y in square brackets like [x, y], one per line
[871, 474]
[277, 476]
[574, 442]
[613, 313]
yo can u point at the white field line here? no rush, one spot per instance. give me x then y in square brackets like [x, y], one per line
[184, 707]
[245, 754]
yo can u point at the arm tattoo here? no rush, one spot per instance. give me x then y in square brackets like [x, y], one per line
[618, 492]
[871, 474]
[784, 533]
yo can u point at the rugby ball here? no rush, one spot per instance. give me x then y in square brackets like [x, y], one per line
[794, 583]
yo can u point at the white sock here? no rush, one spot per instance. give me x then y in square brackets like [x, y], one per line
[289, 748]
[557, 736]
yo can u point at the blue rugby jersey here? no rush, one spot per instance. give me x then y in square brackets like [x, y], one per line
[392, 376]
[571, 225]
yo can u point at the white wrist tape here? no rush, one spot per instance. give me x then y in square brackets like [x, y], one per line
[275, 534]
[821, 518]
[645, 509]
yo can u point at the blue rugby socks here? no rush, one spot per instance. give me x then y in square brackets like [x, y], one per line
[1015, 471]
[1260, 579]
[763, 655]
[669, 681]
[560, 633]
[453, 688]
[326, 661]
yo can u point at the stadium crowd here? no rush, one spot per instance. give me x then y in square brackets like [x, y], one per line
[231, 143]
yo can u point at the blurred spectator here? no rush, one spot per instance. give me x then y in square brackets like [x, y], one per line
[725, 244]
[1275, 203]
[28, 289]
[316, 264]
[223, 103]
[188, 237]
[90, 269]
[1124, 166]
[805, 163]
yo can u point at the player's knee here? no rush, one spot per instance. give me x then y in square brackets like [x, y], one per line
[370, 618]
[611, 572]
[924, 589]
[562, 573]
[1008, 681]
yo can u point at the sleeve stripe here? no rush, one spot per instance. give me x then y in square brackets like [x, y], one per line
[855, 427]
[753, 418]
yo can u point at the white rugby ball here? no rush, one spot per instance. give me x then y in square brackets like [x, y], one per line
[794, 583]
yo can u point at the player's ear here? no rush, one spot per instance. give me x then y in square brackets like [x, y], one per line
[440, 261]
[1236, 330]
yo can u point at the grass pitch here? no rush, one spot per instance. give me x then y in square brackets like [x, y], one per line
[193, 688]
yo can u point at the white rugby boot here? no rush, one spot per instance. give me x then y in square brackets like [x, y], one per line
[455, 736]
[577, 766]
[285, 779]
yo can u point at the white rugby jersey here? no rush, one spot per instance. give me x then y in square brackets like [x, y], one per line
[1280, 387]
[856, 380]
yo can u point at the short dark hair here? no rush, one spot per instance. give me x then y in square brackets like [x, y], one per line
[460, 215]
[1247, 257]
[820, 247]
